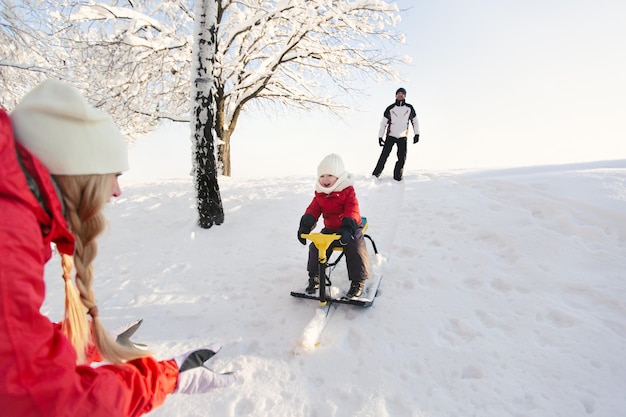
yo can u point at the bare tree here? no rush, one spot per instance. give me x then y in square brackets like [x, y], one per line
[209, 201]
[27, 49]
[288, 53]
[127, 63]
[134, 58]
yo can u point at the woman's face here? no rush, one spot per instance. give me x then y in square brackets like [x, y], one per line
[327, 180]
[116, 191]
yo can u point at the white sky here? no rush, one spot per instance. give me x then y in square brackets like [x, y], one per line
[494, 84]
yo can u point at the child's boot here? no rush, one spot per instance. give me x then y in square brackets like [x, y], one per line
[356, 289]
[314, 283]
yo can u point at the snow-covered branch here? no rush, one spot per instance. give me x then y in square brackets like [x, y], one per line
[134, 60]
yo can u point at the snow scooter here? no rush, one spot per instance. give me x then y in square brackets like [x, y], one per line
[323, 242]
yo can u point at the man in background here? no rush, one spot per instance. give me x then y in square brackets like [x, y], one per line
[394, 129]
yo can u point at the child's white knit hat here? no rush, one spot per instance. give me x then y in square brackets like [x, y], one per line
[331, 165]
[70, 137]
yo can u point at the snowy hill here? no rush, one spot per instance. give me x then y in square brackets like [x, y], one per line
[504, 294]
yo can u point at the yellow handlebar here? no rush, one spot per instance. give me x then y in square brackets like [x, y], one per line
[322, 243]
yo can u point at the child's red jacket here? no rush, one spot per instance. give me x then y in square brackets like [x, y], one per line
[334, 207]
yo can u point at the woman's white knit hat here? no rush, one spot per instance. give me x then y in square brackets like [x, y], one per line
[57, 125]
[331, 165]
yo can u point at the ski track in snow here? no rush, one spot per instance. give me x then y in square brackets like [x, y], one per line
[503, 296]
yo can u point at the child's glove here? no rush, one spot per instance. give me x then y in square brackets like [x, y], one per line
[381, 141]
[307, 223]
[416, 138]
[347, 229]
[194, 377]
[346, 237]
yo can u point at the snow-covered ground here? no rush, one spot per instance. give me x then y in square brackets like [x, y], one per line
[504, 294]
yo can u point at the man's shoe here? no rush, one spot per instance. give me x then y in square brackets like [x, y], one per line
[356, 289]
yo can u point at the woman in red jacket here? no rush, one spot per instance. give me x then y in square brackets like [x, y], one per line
[336, 201]
[59, 163]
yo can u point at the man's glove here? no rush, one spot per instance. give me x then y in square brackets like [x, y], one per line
[347, 229]
[381, 141]
[307, 223]
[194, 377]
[416, 138]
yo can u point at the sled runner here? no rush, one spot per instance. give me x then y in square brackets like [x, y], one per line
[322, 242]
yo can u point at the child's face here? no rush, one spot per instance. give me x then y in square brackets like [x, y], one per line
[327, 180]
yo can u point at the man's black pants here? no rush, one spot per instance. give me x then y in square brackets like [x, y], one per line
[384, 154]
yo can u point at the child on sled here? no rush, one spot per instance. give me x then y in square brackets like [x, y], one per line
[335, 200]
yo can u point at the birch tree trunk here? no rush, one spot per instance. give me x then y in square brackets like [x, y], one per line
[209, 201]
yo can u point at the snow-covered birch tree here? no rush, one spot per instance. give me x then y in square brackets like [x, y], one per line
[133, 57]
[209, 201]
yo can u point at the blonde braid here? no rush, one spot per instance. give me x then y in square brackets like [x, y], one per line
[75, 325]
[85, 197]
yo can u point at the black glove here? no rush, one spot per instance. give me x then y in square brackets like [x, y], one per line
[381, 141]
[307, 223]
[416, 138]
[347, 229]
[346, 237]
[193, 375]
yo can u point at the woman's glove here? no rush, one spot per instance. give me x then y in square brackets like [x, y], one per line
[194, 377]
